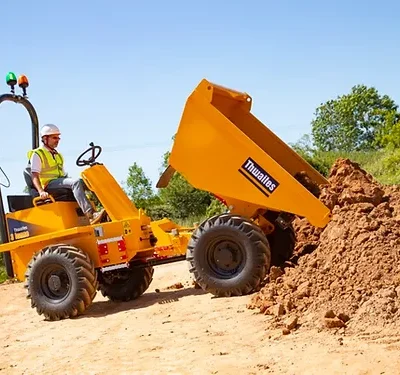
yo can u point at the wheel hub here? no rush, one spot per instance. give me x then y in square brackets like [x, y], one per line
[54, 283]
[226, 257]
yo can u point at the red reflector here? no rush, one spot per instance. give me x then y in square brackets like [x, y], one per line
[102, 249]
[121, 245]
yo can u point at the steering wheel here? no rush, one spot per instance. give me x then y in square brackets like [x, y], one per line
[80, 162]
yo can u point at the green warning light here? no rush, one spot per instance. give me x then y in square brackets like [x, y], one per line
[11, 79]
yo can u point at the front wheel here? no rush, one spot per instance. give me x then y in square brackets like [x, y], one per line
[61, 282]
[228, 255]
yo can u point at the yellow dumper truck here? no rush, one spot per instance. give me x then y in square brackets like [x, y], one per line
[219, 147]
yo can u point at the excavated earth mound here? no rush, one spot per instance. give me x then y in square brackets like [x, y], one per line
[347, 274]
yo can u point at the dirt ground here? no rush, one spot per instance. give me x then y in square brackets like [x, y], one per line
[179, 331]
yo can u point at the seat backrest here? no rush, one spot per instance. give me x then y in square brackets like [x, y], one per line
[59, 194]
[29, 183]
[28, 178]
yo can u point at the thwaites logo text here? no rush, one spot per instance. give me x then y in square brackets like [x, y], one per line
[258, 176]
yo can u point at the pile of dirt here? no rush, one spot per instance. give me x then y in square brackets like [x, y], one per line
[347, 274]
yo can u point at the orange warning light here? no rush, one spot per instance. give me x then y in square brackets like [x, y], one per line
[23, 81]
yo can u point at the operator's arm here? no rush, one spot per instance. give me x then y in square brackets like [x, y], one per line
[36, 182]
[36, 167]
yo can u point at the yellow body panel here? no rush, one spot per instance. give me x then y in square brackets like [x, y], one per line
[115, 242]
[110, 194]
[107, 243]
[172, 238]
[42, 219]
[222, 148]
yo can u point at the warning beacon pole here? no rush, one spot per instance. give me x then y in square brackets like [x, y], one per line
[23, 83]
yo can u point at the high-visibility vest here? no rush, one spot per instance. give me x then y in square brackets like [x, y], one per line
[52, 167]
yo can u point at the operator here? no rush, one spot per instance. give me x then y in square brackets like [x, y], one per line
[47, 166]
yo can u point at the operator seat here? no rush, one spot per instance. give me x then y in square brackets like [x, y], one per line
[64, 195]
[21, 202]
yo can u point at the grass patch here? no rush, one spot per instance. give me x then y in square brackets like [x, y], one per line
[382, 165]
[189, 222]
[3, 274]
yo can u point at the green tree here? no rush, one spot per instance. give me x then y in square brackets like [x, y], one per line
[354, 121]
[139, 188]
[389, 134]
[178, 201]
[317, 159]
[182, 198]
[304, 146]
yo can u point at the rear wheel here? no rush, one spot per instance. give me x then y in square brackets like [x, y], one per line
[61, 282]
[125, 284]
[282, 242]
[228, 255]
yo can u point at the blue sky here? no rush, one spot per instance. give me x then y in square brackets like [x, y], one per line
[118, 73]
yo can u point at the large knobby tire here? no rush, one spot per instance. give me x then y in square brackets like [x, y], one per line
[125, 284]
[228, 256]
[282, 242]
[61, 282]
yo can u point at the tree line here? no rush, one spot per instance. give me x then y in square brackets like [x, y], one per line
[178, 201]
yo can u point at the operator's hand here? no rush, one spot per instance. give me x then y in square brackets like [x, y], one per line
[44, 194]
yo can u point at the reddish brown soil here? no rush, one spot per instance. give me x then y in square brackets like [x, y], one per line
[347, 274]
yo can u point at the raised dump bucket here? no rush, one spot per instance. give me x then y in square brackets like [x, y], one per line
[222, 148]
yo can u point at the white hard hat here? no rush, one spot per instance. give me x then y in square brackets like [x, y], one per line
[49, 129]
